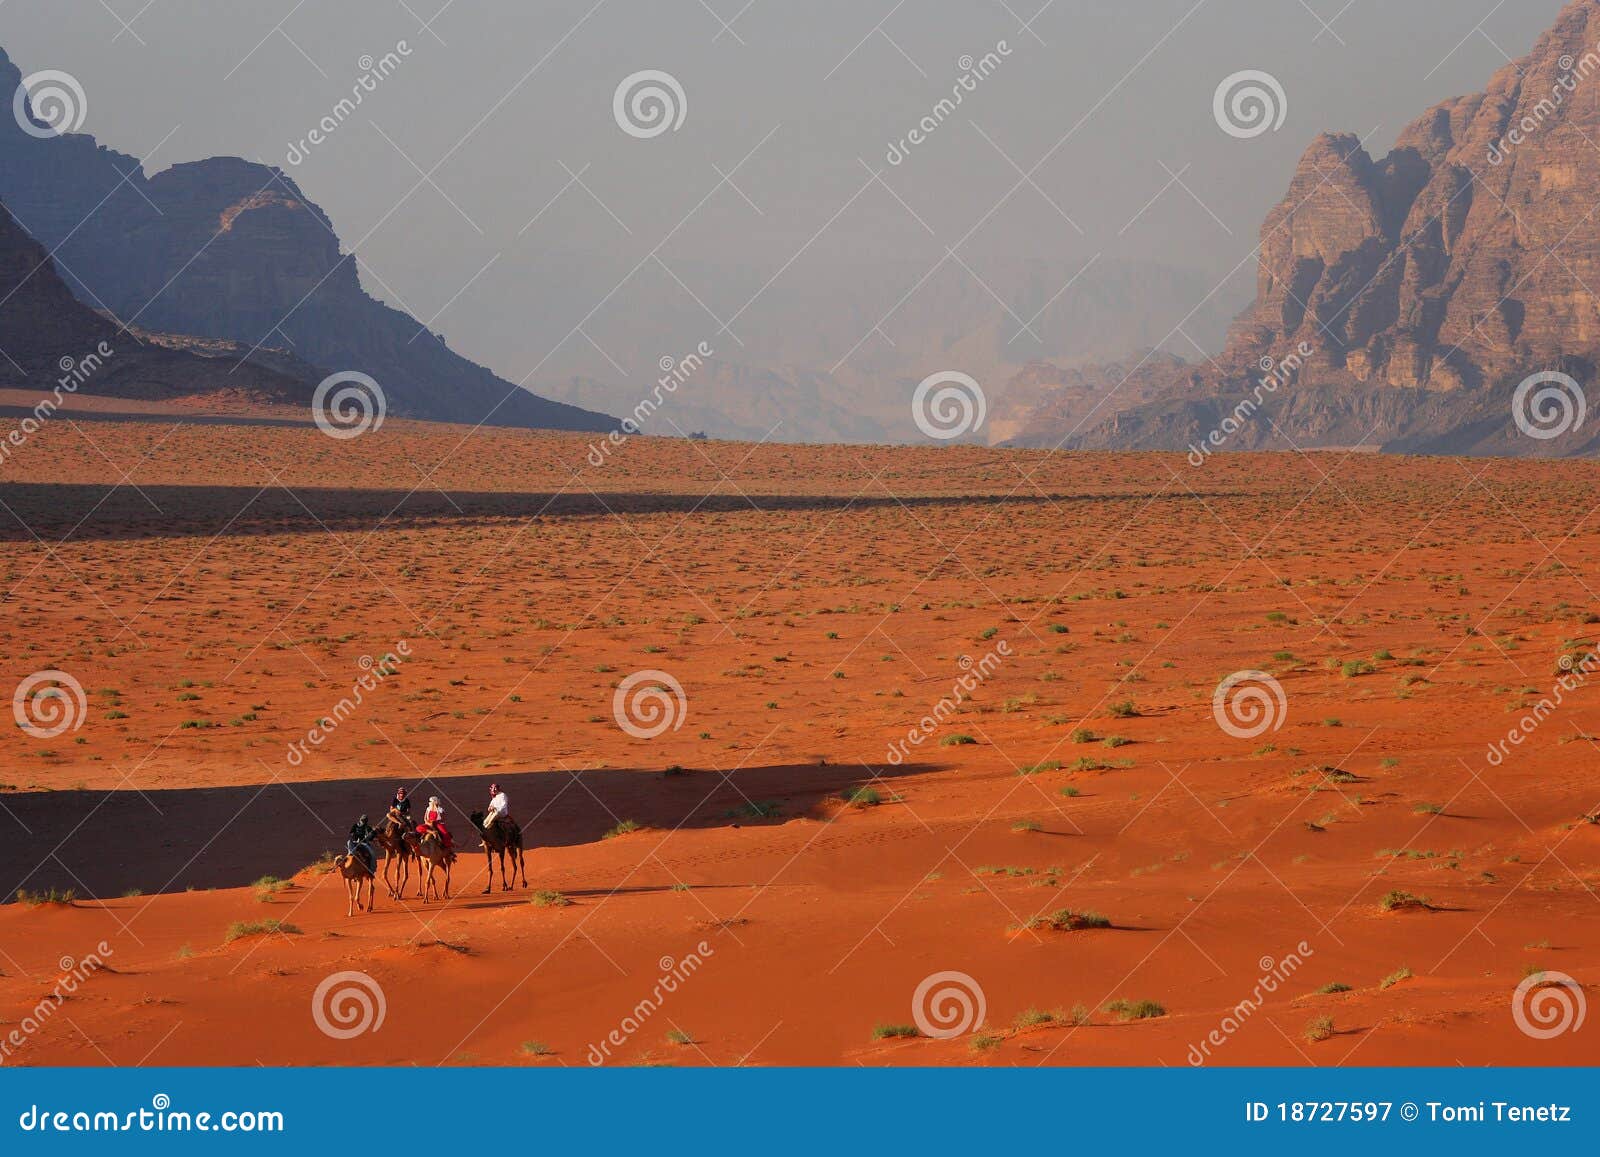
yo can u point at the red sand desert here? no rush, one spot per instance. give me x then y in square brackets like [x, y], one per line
[216, 590]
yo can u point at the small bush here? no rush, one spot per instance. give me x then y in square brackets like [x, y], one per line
[1123, 710]
[1136, 1009]
[1396, 977]
[48, 896]
[239, 929]
[1332, 988]
[894, 1032]
[546, 898]
[621, 829]
[1319, 1028]
[1398, 901]
[1066, 920]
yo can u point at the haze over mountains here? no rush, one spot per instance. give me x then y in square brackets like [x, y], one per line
[1427, 286]
[1407, 297]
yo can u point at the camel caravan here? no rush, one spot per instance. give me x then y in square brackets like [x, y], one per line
[428, 848]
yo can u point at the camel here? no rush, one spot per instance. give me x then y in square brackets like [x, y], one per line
[355, 871]
[399, 844]
[436, 860]
[505, 837]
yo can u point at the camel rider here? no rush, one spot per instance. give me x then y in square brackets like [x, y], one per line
[433, 821]
[359, 843]
[499, 807]
[400, 807]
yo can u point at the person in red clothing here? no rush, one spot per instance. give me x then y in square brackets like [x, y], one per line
[433, 821]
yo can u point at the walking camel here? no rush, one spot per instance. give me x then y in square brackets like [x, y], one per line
[435, 860]
[502, 839]
[357, 873]
[399, 846]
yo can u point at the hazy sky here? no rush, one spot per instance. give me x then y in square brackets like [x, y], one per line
[537, 204]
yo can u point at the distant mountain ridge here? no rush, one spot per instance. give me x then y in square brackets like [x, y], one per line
[1423, 285]
[225, 248]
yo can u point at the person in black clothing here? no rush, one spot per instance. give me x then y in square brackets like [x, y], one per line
[400, 806]
[359, 843]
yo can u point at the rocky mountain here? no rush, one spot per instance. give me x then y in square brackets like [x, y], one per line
[227, 249]
[48, 338]
[1401, 302]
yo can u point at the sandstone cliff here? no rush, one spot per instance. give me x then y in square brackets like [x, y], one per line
[48, 338]
[1426, 285]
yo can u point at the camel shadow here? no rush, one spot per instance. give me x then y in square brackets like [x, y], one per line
[102, 845]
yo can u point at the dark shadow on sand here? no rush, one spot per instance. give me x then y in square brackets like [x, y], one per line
[103, 845]
[92, 511]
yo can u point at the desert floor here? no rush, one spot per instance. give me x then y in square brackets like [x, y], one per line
[217, 589]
